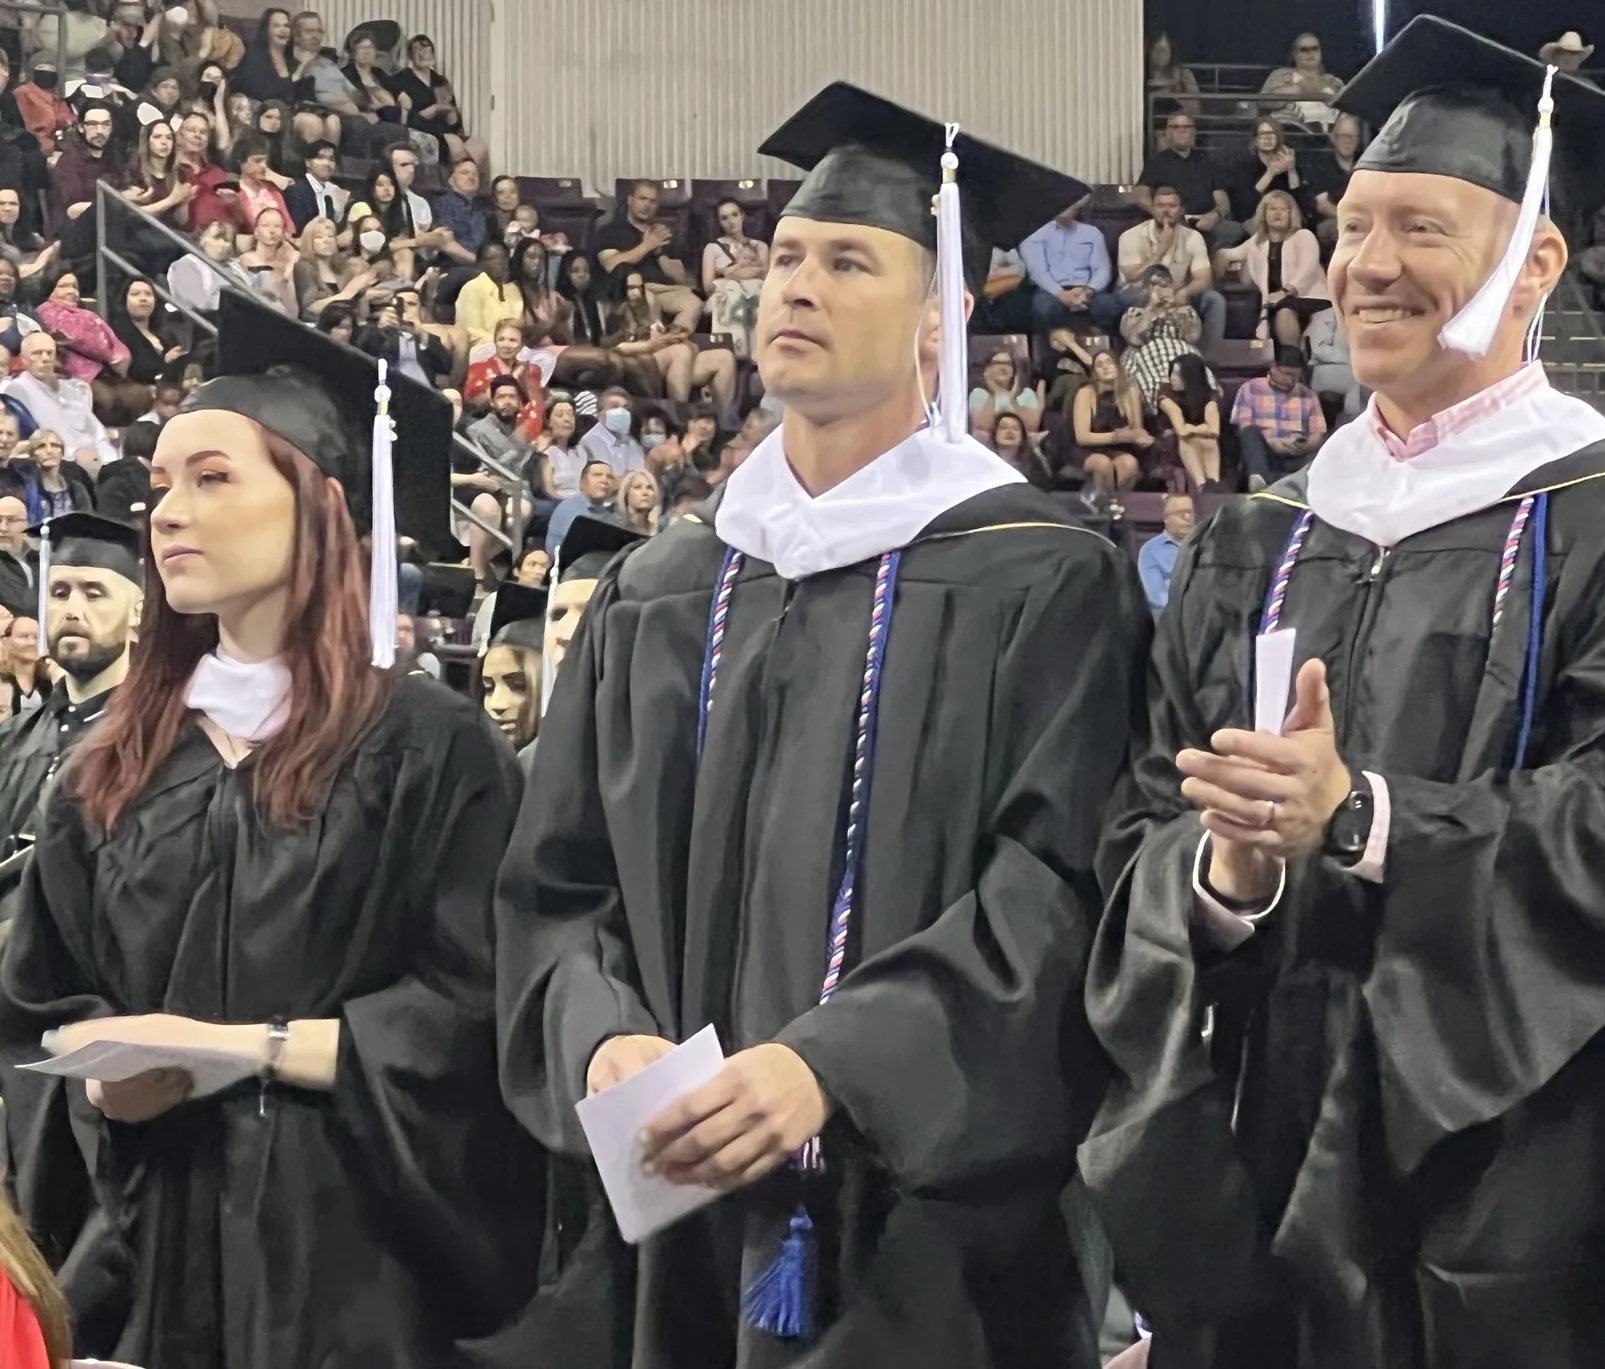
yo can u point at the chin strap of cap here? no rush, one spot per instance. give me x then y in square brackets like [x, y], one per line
[383, 589]
[952, 375]
[1473, 329]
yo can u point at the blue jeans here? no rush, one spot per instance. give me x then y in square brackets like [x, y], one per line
[1102, 312]
[409, 587]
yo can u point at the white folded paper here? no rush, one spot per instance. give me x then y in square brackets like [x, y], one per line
[644, 1203]
[1273, 678]
[114, 1061]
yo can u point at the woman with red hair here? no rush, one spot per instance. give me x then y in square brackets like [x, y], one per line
[271, 846]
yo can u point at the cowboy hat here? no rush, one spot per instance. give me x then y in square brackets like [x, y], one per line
[1569, 44]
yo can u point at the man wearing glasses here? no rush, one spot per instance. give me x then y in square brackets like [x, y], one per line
[83, 161]
[1181, 165]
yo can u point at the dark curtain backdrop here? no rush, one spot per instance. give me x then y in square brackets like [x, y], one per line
[1262, 31]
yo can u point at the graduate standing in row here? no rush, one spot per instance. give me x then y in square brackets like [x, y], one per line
[1354, 979]
[276, 846]
[825, 768]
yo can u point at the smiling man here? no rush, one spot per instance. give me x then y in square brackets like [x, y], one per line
[1353, 1144]
[824, 769]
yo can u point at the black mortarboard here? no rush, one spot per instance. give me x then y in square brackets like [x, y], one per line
[590, 544]
[1449, 102]
[87, 539]
[875, 163]
[519, 618]
[318, 395]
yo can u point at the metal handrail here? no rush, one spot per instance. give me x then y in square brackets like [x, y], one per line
[108, 199]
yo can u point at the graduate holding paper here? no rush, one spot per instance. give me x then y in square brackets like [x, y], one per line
[824, 769]
[1355, 1142]
[274, 846]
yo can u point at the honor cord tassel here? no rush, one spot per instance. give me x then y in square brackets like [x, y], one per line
[44, 587]
[953, 367]
[1472, 330]
[384, 594]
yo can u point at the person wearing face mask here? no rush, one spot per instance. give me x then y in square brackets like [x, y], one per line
[365, 1183]
[877, 643]
[611, 439]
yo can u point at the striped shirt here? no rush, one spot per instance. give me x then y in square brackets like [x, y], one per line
[1458, 417]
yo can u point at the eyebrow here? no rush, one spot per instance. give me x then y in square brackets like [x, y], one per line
[859, 245]
[194, 458]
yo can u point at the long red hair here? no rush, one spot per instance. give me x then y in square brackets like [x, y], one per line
[335, 693]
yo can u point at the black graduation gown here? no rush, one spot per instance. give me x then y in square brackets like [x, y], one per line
[1414, 1177]
[643, 895]
[387, 1223]
[32, 748]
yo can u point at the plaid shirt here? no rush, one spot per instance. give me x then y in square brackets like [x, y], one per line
[1458, 417]
[1278, 413]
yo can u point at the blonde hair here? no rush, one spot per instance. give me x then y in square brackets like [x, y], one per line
[21, 1262]
[315, 229]
[641, 522]
[506, 325]
[1295, 217]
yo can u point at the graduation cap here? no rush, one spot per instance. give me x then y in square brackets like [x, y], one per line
[385, 437]
[1450, 102]
[590, 544]
[877, 164]
[519, 617]
[85, 539]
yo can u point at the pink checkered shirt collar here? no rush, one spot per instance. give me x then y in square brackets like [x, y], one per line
[1528, 381]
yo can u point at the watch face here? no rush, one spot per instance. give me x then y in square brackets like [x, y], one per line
[1350, 828]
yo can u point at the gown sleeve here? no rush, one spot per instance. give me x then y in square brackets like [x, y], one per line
[962, 1053]
[563, 993]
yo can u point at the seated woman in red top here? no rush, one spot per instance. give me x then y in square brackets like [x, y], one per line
[34, 1333]
[504, 361]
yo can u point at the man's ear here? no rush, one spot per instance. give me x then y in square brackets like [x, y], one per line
[969, 305]
[1546, 263]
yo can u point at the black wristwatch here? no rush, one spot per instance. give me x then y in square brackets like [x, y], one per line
[1349, 829]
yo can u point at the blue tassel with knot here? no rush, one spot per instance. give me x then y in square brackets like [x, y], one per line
[776, 1302]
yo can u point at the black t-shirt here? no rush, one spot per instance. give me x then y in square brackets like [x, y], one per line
[1327, 178]
[1193, 175]
[623, 236]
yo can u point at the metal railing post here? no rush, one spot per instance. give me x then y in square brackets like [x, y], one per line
[102, 303]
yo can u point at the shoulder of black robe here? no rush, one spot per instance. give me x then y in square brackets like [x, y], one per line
[1473, 957]
[1062, 690]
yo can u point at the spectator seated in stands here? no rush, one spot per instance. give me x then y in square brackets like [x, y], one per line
[208, 39]
[370, 91]
[635, 503]
[1014, 444]
[1282, 260]
[1270, 165]
[359, 131]
[679, 361]
[268, 72]
[598, 480]
[1279, 421]
[503, 206]
[315, 195]
[325, 273]
[16, 319]
[271, 262]
[1066, 366]
[1000, 392]
[1189, 405]
[561, 459]
[634, 241]
[124, 484]
[660, 439]
[197, 281]
[756, 426]
[1306, 88]
[88, 344]
[1004, 305]
[548, 323]
[339, 320]
[256, 192]
[699, 443]
[85, 159]
[501, 433]
[1329, 174]
[1068, 263]
[504, 360]
[402, 163]
[1331, 374]
[153, 180]
[72, 35]
[459, 213]
[392, 267]
[158, 101]
[1205, 204]
[397, 335]
[527, 224]
[489, 297]
[612, 440]
[1167, 241]
[274, 122]
[54, 485]
[432, 105]
[1162, 329]
[167, 398]
[1172, 86]
[1111, 437]
[44, 113]
[59, 402]
[1156, 562]
[733, 268]
[214, 199]
[19, 244]
[138, 323]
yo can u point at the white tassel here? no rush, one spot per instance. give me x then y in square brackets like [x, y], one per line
[384, 591]
[953, 371]
[1473, 329]
[44, 588]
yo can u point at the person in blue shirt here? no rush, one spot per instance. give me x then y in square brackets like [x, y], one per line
[1157, 559]
[1068, 263]
[596, 487]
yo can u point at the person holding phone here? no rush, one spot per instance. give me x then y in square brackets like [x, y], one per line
[1279, 421]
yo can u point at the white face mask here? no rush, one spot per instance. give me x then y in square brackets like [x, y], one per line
[372, 240]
